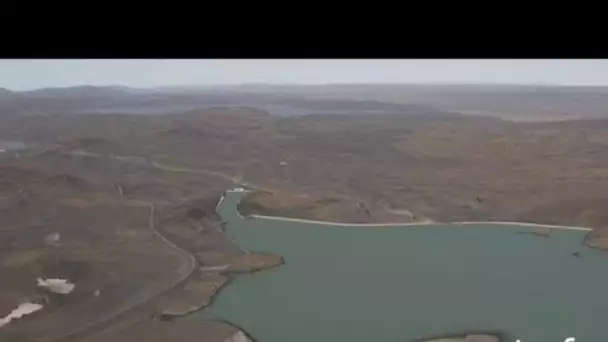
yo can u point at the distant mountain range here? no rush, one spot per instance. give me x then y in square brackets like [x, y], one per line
[505, 101]
[124, 100]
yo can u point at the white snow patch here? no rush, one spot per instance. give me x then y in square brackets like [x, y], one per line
[52, 239]
[22, 310]
[56, 285]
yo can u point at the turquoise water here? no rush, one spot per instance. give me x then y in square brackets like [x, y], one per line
[398, 284]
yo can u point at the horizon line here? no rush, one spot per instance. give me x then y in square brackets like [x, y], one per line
[294, 84]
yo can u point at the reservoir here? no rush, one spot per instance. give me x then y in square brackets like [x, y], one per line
[402, 284]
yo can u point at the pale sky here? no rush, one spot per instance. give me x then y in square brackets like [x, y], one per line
[31, 74]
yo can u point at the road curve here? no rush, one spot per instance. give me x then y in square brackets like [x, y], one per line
[154, 164]
[186, 269]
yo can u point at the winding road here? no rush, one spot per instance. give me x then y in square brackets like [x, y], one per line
[186, 269]
[154, 164]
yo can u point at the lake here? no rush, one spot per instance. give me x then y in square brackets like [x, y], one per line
[400, 284]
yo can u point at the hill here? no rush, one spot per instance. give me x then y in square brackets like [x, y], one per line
[514, 103]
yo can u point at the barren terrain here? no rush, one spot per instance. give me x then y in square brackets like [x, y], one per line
[133, 196]
[132, 237]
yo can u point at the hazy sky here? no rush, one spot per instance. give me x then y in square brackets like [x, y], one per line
[30, 74]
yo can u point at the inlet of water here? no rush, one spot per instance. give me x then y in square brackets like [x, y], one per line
[391, 284]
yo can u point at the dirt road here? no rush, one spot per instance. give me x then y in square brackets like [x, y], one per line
[187, 267]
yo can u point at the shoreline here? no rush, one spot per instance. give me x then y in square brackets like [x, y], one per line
[422, 223]
[403, 224]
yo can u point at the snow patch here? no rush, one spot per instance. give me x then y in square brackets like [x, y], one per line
[52, 239]
[56, 285]
[22, 310]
